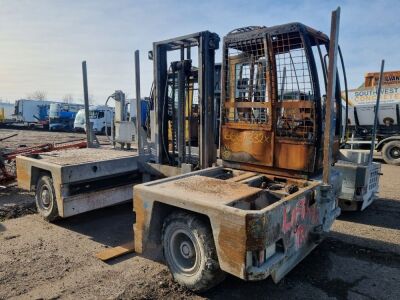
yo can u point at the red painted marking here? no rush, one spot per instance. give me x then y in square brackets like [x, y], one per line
[296, 224]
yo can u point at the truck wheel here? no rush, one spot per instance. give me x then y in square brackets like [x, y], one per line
[45, 199]
[190, 253]
[391, 153]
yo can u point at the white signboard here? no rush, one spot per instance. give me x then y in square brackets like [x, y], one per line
[389, 94]
[364, 100]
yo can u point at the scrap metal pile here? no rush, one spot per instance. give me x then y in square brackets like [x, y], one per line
[7, 158]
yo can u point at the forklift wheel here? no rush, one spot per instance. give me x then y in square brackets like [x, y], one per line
[190, 253]
[45, 199]
[391, 153]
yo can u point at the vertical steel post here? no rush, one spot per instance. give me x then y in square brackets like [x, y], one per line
[378, 97]
[161, 110]
[329, 130]
[86, 98]
[138, 104]
[346, 94]
[207, 46]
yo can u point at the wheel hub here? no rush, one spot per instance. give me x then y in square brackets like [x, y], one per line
[45, 195]
[186, 250]
[183, 252]
[395, 152]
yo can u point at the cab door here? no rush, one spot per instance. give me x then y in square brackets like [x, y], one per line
[247, 135]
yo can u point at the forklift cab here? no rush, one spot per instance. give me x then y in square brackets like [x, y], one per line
[272, 113]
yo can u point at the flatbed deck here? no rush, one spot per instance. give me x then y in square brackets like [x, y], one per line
[206, 190]
[83, 179]
[82, 156]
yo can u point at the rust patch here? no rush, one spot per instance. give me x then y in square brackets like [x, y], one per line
[295, 156]
[232, 243]
[256, 232]
[140, 224]
[23, 176]
[253, 146]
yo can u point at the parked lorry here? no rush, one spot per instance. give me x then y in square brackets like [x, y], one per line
[100, 115]
[32, 112]
[62, 116]
[362, 111]
[272, 195]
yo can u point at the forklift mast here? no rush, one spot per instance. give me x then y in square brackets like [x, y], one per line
[273, 102]
[183, 100]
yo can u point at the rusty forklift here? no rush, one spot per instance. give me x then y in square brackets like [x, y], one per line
[272, 195]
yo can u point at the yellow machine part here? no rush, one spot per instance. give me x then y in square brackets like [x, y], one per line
[192, 126]
[2, 116]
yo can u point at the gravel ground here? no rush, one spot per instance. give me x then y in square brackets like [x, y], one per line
[360, 259]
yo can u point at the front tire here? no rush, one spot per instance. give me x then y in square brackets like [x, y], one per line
[391, 153]
[45, 198]
[190, 253]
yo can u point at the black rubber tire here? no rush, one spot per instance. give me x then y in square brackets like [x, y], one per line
[387, 152]
[206, 271]
[47, 208]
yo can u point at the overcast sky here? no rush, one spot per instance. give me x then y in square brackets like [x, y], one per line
[43, 42]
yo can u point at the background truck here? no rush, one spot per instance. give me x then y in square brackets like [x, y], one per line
[62, 116]
[32, 112]
[265, 205]
[362, 111]
[100, 115]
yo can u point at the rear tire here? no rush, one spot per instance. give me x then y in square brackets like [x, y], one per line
[46, 198]
[190, 253]
[391, 153]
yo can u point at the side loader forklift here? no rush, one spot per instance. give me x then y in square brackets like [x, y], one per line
[272, 195]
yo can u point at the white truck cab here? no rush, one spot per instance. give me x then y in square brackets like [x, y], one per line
[100, 115]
